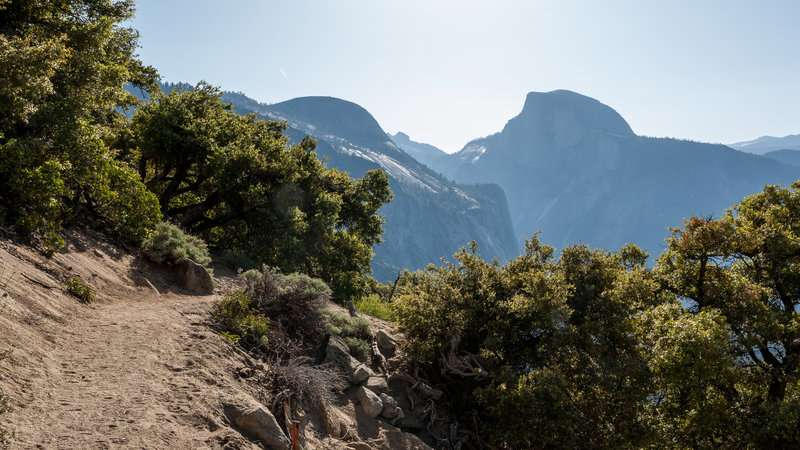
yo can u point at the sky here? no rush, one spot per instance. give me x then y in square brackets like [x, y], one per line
[449, 71]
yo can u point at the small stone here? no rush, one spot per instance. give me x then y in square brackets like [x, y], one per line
[98, 253]
[377, 384]
[370, 403]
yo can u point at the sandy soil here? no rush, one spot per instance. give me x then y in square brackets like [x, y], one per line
[135, 369]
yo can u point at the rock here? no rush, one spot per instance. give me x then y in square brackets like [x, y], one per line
[195, 278]
[390, 409]
[377, 384]
[402, 440]
[258, 422]
[386, 342]
[370, 403]
[361, 374]
[398, 419]
[98, 253]
[338, 355]
[334, 422]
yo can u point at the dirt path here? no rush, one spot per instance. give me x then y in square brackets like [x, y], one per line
[134, 370]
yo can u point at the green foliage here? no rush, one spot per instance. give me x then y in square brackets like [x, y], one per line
[250, 275]
[235, 181]
[359, 348]
[551, 335]
[243, 324]
[168, 244]
[354, 330]
[238, 261]
[79, 289]
[743, 270]
[61, 88]
[594, 349]
[374, 306]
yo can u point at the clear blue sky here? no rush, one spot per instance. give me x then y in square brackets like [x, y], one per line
[448, 71]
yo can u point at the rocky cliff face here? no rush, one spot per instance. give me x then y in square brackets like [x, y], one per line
[430, 217]
[573, 168]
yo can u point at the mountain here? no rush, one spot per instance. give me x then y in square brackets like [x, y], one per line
[430, 217]
[766, 144]
[788, 157]
[425, 153]
[573, 168]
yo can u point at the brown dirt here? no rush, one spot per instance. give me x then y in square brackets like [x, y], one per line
[136, 368]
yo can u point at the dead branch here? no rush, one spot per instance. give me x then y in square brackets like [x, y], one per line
[465, 366]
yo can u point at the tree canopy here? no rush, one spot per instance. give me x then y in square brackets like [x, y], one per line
[595, 349]
[237, 182]
[61, 90]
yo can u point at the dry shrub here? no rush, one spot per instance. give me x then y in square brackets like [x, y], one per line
[291, 302]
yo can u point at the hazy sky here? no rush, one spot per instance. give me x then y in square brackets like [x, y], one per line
[448, 71]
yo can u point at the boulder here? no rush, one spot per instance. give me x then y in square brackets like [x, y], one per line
[377, 385]
[370, 403]
[361, 374]
[386, 342]
[390, 409]
[195, 278]
[257, 422]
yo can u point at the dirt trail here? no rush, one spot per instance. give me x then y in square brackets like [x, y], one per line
[136, 369]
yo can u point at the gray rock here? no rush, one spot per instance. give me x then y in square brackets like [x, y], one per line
[377, 385]
[258, 422]
[386, 342]
[398, 419]
[195, 277]
[370, 403]
[361, 374]
[390, 409]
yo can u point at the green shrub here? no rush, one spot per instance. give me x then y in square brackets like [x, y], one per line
[250, 275]
[168, 244]
[359, 348]
[79, 289]
[354, 330]
[374, 306]
[243, 324]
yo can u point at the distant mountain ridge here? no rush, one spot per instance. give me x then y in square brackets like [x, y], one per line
[766, 144]
[425, 153]
[430, 216]
[573, 168]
